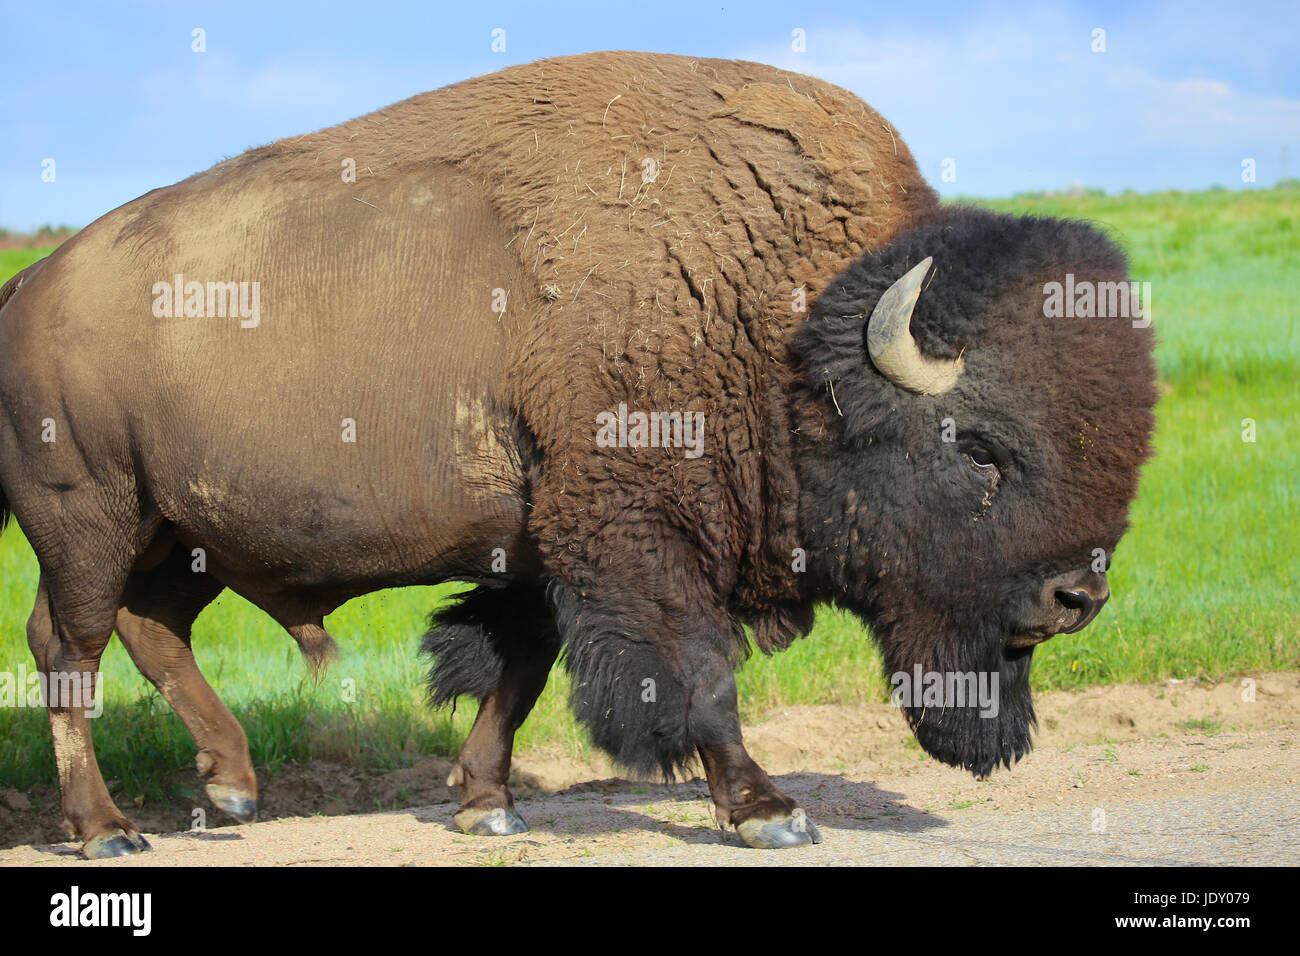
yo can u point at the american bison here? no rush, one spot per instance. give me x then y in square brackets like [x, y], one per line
[650, 349]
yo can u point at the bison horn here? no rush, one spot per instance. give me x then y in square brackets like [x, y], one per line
[893, 350]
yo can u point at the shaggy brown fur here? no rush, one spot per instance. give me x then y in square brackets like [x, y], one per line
[675, 293]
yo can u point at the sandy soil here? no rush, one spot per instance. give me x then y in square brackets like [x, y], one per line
[1128, 750]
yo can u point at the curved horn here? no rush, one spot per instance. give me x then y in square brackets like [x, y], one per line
[892, 348]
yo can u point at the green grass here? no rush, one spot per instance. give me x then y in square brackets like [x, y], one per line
[1205, 583]
[16, 260]
[1205, 725]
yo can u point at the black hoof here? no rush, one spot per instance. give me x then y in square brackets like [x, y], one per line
[108, 845]
[235, 802]
[496, 822]
[780, 832]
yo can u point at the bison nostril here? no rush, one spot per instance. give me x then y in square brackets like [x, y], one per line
[1082, 601]
[1075, 600]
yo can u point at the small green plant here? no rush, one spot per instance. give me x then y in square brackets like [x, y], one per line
[1202, 725]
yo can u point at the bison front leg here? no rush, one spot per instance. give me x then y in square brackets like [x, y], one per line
[497, 645]
[483, 770]
[746, 798]
[743, 794]
[154, 622]
[653, 682]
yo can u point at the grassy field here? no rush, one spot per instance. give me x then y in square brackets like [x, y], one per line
[1206, 583]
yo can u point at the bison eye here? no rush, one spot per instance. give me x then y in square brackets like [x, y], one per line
[981, 459]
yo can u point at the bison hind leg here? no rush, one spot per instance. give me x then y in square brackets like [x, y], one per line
[154, 622]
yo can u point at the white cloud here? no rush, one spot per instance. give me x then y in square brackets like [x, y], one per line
[1026, 104]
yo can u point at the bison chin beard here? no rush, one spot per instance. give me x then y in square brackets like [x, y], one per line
[968, 702]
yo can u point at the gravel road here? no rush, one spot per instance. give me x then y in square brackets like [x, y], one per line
[1230, 798]
[1164, 774]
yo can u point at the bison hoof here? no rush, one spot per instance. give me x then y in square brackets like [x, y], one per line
[238, 803]
[779, 833]
[116, 843]
[496, 822]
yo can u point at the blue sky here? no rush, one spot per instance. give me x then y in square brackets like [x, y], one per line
[1012, 94]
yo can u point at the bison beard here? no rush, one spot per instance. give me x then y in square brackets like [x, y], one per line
[965, 736]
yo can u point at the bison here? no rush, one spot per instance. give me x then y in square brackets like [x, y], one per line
[658, 353]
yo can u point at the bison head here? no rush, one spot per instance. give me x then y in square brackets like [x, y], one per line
[986, 432]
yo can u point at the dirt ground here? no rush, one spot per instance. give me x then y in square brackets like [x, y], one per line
[1129, 746]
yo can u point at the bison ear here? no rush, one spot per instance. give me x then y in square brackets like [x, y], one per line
[894, 351]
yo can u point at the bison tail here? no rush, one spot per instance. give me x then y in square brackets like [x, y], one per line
[6, 293]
